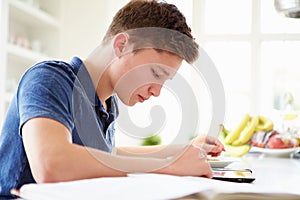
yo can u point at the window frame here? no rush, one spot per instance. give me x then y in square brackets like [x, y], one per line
[259, 102]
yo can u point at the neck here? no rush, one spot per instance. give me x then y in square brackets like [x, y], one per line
[98, 66]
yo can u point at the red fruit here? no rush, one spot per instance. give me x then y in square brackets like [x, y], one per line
[260, 139]
[278, 143]
[257, 144]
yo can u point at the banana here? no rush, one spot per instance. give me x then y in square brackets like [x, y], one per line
[264, 124]
[233, 135]
[223, 132]
[237, 151]
[230, 150]
[247, 133]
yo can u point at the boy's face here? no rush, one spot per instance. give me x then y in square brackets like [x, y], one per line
[137, 76]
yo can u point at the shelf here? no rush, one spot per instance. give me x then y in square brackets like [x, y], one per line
[31, 15]
[20, 18]
[25, 54]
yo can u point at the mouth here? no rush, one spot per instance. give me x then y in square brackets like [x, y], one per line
[141, 98]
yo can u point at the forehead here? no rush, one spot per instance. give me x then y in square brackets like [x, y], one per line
[162, 59]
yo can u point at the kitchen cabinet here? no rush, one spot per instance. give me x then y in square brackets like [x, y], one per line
[30, 32]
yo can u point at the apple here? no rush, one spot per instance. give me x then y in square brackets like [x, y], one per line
[276, 142]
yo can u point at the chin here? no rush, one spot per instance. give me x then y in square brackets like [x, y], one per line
[128, 103]
[131, 103]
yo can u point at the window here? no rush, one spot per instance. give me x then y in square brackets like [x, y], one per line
[255, 51]
[282, 71]
[233, 62]
[228, 17]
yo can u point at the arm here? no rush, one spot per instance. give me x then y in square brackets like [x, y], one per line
[156, 151]
[53, 157]
[210, 145]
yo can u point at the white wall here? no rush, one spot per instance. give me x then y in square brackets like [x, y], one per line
[84, 23]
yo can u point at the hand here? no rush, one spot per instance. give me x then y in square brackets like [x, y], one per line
[190, 162]
[212, 146]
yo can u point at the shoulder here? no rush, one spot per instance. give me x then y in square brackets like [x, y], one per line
[45, 82]
[45, 90]
[50, 68]
[52, 74]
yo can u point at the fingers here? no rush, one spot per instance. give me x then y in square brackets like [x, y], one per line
[217, 148]
[219, 144]
[211, 145]
[214, 141]
[209, 173]
[203, 168]
[193, 162]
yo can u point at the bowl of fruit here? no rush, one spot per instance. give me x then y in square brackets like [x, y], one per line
[257, 134]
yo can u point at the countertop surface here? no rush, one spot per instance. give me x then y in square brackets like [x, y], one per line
[272, 175]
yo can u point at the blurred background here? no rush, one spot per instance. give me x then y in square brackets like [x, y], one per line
[253, 46]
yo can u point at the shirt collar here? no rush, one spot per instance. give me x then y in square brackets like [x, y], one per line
[86, 82]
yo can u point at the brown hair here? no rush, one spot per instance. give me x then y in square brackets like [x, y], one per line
[149, 17]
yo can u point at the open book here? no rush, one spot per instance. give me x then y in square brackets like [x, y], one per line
[153, 186]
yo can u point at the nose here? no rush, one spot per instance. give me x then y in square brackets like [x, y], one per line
[155, 89]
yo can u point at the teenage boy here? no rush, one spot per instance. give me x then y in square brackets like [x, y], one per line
[60, 124]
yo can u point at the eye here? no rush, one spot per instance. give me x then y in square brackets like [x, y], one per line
[155, 74]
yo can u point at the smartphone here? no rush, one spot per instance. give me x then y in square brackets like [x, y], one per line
[233, 175]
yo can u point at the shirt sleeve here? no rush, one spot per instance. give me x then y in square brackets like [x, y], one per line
[45, 91]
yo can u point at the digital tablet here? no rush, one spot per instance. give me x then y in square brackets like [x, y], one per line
[233, 175]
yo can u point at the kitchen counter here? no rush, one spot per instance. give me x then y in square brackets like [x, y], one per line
[272, 175]
[276, 172]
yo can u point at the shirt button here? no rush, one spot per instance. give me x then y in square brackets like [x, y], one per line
[104, 115]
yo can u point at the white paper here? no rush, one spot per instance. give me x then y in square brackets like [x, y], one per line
[142, 187]
[149, 186]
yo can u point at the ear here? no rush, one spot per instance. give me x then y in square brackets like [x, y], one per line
[119, 43]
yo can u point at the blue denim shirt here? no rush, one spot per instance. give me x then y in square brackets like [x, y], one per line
[60, 91]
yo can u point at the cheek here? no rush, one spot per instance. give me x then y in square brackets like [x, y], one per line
[133, 79]
[127, 87]
[124, 90]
